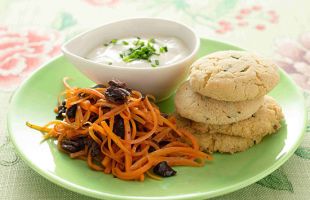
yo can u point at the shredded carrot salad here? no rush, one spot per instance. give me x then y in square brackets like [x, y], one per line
[126, 139]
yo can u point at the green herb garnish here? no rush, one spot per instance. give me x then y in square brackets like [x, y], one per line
[138, 43]
[109, 63]
[163, 49]
[113, 41]
[142, 51]
[235, 57]
[152, 40]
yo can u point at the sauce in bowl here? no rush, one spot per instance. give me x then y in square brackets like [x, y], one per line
[141, 52]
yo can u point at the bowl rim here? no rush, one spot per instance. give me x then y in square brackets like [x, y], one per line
[192, 53]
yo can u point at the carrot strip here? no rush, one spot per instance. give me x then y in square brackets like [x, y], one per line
[114, 137]
[128, 158]
[149, 134]
[36, 127]
[153, 176]
[148, 138]
[93, 136]
[134, 129]
[91, 164]
[64, 80]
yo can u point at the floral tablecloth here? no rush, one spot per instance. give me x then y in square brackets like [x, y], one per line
[31, 32]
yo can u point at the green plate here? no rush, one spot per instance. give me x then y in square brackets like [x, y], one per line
[34, 101]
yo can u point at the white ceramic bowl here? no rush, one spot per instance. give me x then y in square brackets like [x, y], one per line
[160, 81]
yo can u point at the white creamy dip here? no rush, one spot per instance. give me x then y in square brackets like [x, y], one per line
[117, 52]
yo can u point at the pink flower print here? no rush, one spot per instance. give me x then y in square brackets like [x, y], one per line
[260, 27]
[304, 40]
[22, 52]
[242, 24]
[294, 58]
[256, 7]
[225, 26]
[254, 16]
[290, 49]
[239, 17]
[245, 11]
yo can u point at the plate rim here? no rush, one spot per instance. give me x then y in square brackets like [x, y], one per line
[95, 194]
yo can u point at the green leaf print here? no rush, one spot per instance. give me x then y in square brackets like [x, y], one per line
[303, 152]
[181, 4]
[224, 7]
[277, 181]
[63, 21]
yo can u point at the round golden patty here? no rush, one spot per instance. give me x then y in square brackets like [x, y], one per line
[239, 136]
[233, 76]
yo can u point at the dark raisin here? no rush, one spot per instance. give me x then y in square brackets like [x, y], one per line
[165, 115]
[93, 118]
[118, 126]
[105, 109]
[73, 145]
[71, 111]
[139, 127]
[151, 149]
[116, 95]
[128, 90]
[61, 111]
[99, 86]
[163, 143]
[95, 150]
[89, 142]
[163, 169]
[117, 83]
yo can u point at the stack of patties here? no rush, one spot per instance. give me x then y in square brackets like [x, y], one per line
[224, 103]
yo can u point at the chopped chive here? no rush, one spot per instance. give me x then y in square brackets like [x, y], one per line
[142, 51]
[127, 59]
[109, 63]
[163, 49]
[113, 41]
[106, 44]
[152, 40]
[136, 42]
[235, 57]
